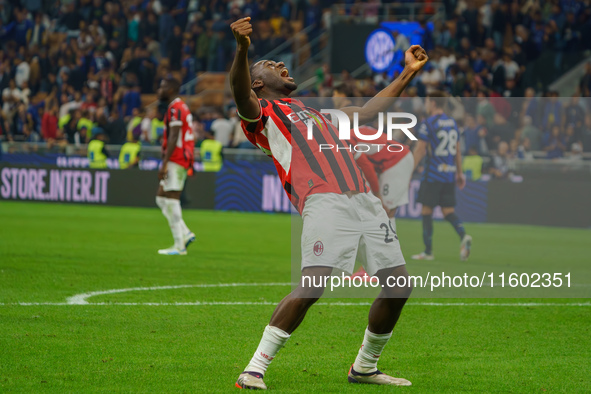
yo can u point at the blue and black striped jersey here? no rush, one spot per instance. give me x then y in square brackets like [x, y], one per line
[442, 136]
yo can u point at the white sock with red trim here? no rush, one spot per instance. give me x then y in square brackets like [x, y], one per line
[272, 341]
[370, 352]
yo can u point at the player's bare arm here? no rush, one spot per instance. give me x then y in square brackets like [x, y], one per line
[415, 59]
[172, 138]
[419, 152]
[240, 82]
[460, 177]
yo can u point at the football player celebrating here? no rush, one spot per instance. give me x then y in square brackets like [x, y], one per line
[178, 146]
[439, 139]
[339, 214]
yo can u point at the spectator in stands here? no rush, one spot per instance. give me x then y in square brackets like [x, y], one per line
[572, 140]
[49, 130]
[500, 163]
[174, 47]
[11, 97]
[4, 76]
[222, 128]
[431, 77]
[531, 133]
[524, 151]
[116, 128]
[21, 71]
[585, 82]
[23, 125]
[485, 108]
[552, 111]
[531, 107]
[555, 145]
[574, 114]
[131, 102]
[70, 126]
[474, 136]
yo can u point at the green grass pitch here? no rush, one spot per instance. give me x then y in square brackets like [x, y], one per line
[49, 252]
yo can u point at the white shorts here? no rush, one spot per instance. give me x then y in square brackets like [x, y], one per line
[337, 229]
[175, 177]
[395, 181]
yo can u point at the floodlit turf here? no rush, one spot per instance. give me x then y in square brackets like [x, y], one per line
[49, 252]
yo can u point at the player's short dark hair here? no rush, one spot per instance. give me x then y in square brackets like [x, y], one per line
[173, 83]
[251, 69]
[345, 89]
[438, 97]
[254, 75]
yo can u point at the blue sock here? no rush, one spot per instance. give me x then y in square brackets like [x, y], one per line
[455, 221]
[428, 233]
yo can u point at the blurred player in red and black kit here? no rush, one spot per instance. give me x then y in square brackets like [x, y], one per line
[178, 146]
[340, 216]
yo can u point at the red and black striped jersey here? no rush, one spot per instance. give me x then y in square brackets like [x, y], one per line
[281, 131]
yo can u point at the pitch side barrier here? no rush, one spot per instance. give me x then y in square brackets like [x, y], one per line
[533, 198]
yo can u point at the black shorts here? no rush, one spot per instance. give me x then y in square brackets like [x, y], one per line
[433, 194]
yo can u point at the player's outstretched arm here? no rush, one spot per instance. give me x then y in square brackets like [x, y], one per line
[415, 59]
[245, 98]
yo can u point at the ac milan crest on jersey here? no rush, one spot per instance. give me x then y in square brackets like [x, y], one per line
[318, 248]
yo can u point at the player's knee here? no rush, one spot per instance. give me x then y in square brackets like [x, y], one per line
[402, 290]
[305, 302]
[398, 284]
[161, 202]
[309, 294]
[406, 291]
[426, 210]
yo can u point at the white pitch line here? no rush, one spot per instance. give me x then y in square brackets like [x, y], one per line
[231, 303]
[80, 299]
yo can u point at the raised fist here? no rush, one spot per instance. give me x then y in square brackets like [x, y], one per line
[415, 58]
[241, 29]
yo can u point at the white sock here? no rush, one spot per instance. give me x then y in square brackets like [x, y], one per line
[174, 221]
[161, 202]
[370, 352]
[184, 227]
[272, 341]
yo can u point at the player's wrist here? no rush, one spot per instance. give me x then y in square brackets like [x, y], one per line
[242, 48]
[409, 72]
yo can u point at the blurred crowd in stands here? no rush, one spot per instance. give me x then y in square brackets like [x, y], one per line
[72, 68]
[65, 63]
